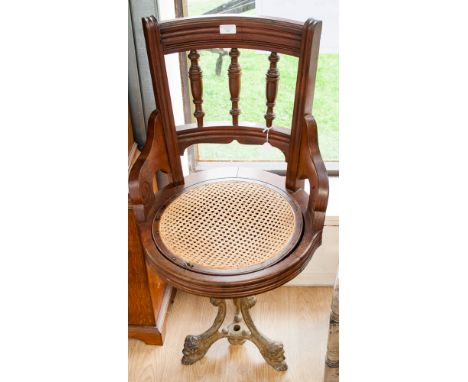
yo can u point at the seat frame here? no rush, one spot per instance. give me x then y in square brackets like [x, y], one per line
[166, 142]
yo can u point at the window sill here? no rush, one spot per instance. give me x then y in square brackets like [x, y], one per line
[332, 218]
[276, 167]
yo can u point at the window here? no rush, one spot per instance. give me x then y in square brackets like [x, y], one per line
[254, 65]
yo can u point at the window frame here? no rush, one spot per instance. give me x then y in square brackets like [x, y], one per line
[194, 163]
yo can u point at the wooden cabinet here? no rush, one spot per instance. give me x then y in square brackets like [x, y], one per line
[148, 296]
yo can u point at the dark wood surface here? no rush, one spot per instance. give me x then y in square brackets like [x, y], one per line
[234, 73]
[140, 308]
[266, 33]
[162, 96]
[225, 132]
[148, 294]
[166, 142]
[272, 78]
[305, 88]
[196, 85]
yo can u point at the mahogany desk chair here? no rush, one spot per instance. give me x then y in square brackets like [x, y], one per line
[233, 233]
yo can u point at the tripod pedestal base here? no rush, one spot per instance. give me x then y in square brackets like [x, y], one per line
[241, 329]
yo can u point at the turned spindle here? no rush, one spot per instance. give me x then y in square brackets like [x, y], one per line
[234, 73]
[196, 85]
[272, 78]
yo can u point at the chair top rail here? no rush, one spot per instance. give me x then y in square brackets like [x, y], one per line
[204, 32]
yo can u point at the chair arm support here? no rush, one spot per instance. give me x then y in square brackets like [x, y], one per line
[153, 158]
[313, 168]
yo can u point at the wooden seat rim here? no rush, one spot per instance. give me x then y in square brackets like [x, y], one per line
[239, 285]
[162, 248]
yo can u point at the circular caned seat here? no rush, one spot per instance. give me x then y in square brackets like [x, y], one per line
[229, 226]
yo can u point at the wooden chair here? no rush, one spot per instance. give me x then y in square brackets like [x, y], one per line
[232, 233]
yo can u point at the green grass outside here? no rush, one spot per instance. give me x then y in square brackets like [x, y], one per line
[199, 7]
[252, 97]
[216, 102]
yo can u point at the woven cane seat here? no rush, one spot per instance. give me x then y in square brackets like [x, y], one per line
[228, 226]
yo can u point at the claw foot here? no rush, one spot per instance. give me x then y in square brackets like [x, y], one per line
[192, 350]
[273, 353]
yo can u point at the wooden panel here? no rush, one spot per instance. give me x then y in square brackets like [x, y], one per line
[148, 295]
[140, 306]
[154, 335]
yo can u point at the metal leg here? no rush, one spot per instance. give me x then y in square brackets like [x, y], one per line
[195, 347]
[241, 329]
[236, 332]
[272, 351]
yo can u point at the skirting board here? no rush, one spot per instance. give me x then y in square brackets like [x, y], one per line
[322, 268]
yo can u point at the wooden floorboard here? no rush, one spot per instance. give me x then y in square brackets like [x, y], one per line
[296, 316]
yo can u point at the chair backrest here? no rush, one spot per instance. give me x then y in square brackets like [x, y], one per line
[278, 36]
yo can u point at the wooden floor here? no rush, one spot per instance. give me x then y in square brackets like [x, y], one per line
[296, 316]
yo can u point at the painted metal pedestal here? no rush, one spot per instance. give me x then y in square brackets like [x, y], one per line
[241, 329]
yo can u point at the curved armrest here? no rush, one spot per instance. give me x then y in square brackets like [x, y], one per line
[153, 158]
[313, 168]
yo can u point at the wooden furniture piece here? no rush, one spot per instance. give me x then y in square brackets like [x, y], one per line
[148, 295]
[332, 364]
[232, 233]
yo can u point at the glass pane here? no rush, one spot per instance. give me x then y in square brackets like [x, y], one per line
[236, 152]
[254, 65]
[200, 7]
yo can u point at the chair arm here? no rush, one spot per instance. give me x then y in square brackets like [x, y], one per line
[313, 169]
[153, 158]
